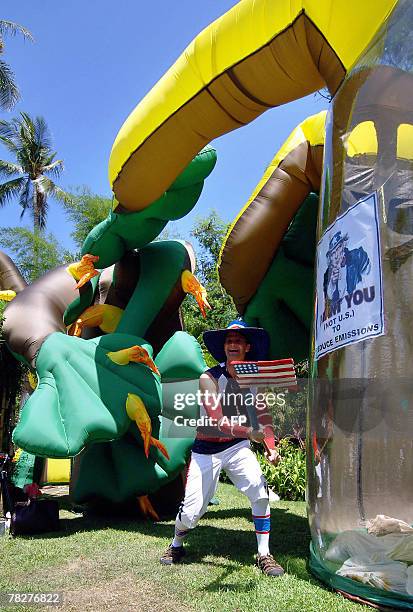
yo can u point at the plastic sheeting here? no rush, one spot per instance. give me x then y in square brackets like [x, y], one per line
[384, 574]
[383, 524]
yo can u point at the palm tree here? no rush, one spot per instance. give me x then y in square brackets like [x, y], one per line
[9, 92]
[28, 140]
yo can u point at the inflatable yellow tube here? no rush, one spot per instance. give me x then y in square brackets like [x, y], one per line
[294, 172]
[291, 175]
[260, 54]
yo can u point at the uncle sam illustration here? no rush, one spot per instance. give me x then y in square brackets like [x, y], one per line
[345, 271]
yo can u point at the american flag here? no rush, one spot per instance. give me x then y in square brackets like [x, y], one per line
[279, 373]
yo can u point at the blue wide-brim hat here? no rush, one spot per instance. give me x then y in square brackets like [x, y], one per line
[257, 337]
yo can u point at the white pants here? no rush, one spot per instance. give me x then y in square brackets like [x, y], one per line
[241, 466]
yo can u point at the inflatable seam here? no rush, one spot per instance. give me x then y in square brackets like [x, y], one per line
[226, 71]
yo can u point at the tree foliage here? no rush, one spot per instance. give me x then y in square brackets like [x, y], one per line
[9, 92]
[85, 210]
[30, 176]
[34, 253]
[209, 233]
[288, 478]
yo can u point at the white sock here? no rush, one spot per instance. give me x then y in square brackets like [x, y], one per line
[263, 542]
[180, 534]
[261, 516]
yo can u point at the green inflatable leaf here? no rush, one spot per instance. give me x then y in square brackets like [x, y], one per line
[124, 469]
[81, 395]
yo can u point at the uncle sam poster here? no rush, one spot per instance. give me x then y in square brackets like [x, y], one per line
[349, 279]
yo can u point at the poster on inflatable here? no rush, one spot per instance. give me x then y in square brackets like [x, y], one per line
[349, 279]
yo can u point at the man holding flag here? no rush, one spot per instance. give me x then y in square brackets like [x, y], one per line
[226, 444]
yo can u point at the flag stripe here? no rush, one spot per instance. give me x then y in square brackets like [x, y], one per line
[273, 362]
[241, 370]
[276, 379]
[267, 374]
[267, 368]
[268, 383]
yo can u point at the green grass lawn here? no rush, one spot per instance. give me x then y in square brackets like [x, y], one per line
[113, 564]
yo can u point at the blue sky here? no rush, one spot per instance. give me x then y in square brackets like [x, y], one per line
[90, 65]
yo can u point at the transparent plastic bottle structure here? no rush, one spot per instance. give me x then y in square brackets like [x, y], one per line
[361, 403]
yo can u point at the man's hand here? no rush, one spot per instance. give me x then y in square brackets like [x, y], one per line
[335, 275]
[256, 436]
[272, 456]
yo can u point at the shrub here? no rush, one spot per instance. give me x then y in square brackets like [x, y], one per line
[288, 478]
[289, 418]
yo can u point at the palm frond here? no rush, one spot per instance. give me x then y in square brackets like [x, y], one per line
[9, 93]
[41, 133]
[26, 196]
[54, 169]
[28, 139]
[25, 129]
[7, 129]
[61, 195]
[11, 28]
[50, 157]
[27, 148]
[49, 188]
[8, 168]
[10, 189]
[34, 148]
[11, 146]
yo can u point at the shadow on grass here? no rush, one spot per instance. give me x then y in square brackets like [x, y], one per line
[227, 548]
[289, 539]
[286, 526]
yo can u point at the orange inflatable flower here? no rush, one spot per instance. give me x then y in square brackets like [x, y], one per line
[137, 412]
[136, 354]
[105, 316]
[83, 270]
[190, 284]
